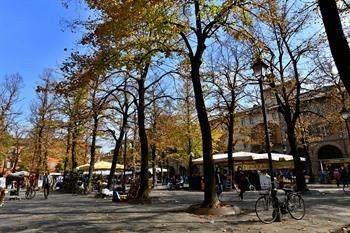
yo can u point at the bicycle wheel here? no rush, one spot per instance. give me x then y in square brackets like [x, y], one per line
[346, 189]
[32, 194]
[27, 195]
[221, 196]
[265, 210]
[296, 206]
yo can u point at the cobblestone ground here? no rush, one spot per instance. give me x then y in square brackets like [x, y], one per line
[327, 210]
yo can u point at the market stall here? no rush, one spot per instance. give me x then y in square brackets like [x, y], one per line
[100, 165]
[249, 161]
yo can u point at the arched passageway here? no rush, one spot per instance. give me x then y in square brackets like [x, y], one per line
[329, 152]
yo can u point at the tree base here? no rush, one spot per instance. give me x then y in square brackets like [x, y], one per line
[139, 201]
[221, 210]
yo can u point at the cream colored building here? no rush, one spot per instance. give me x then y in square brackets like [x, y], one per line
[325, 135]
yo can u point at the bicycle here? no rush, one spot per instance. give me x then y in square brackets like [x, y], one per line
[79, 188]
[250, 187]
[30, 193]
[268, 207]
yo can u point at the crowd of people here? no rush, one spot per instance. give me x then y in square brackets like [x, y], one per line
[75, 182]
[250, 180]
[13, 184]
[2, 189]
[339, 175]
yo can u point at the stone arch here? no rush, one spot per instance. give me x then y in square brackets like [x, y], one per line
[329, 152]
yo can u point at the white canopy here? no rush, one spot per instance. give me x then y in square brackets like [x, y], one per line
[158, 170]
[20, 174]
[248, 156]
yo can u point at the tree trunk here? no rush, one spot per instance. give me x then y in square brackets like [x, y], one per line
[133, 148]
[300, 179]
[189, 136]
[114, 163]
[74, 148]
[309, 164]
[337, 40]
[210, 197]
[39, 152]
[17, 158]
[308, 159]
[92, 153]
[154, 156]
[144, 189]
[46, 156]
[65, 166]
[68, 148]
[230, 146]
[118, 144]
[190, 171]
[161, 172]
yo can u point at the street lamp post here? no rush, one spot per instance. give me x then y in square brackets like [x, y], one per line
[346, 116]
[259, 68]
[284, 149]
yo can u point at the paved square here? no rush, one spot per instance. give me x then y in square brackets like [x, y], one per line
[326, 210]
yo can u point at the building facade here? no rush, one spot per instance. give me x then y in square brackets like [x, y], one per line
[321, 132]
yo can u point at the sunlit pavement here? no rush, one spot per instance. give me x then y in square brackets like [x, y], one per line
[326, 210]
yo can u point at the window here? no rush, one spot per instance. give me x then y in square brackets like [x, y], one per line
[251, 120]
[274, 115]
[243, 122]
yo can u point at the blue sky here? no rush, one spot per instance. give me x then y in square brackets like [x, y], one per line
[33, 38]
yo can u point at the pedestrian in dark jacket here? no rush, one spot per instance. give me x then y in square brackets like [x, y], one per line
[219, 185]
[241, 180]
[344, 176]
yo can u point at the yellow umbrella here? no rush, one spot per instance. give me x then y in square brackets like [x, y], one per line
[101, 165]
[119, 166]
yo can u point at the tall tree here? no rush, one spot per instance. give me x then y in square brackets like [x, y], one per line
[227, 74]
[122, 108]
[18, 136]
[139, 31]
[43, 120]
[98, 102]
[337, 40]
[129, 35]
[73, 106]
[198, 24]
[9, 96]
[288, 48]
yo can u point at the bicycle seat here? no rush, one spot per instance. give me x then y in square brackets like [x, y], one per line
[287, 190]
[264, 193]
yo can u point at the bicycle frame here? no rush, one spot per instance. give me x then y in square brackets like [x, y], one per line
[292, 204]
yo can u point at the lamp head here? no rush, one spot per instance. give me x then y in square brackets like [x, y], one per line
[345, 114]
[259, 68]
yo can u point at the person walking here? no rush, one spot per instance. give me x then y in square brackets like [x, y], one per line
[2, 189]
[337, 176]
[219, 186]
[344, 175]
[46, 185]
[241, 180]
[32, 181]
